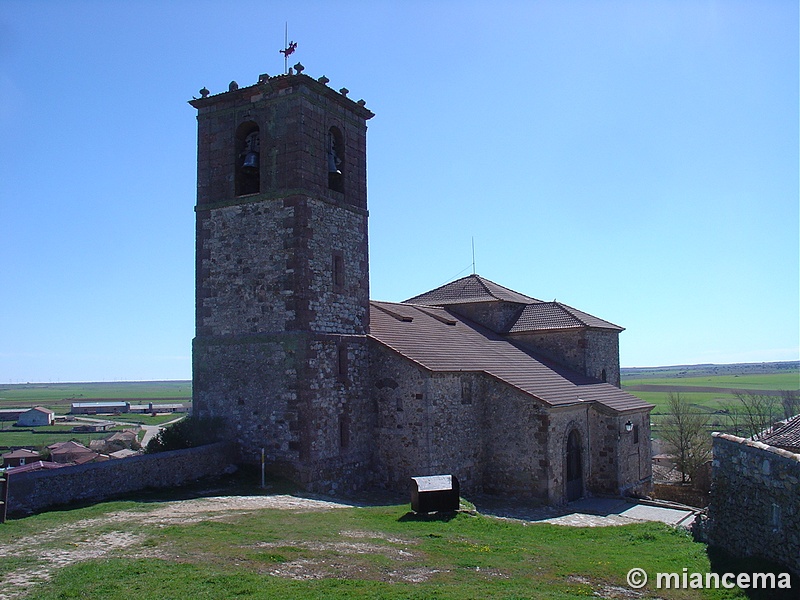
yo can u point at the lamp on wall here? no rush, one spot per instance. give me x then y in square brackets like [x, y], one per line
[628, 426]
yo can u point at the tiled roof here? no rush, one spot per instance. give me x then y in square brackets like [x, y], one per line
[472, 288]
[70, 446]
[35, 466]
[439, 340]
[555, 315]
[20, 453]
[535, 316]
[786, 435]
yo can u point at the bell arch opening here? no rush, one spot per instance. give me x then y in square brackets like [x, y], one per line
[248, 159]
[336, 160]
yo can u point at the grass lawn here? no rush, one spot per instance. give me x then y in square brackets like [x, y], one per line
[371, 552]
[14, 437]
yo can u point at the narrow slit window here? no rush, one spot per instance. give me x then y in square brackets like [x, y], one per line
[344, 431]
[338, 271]
[341, 363]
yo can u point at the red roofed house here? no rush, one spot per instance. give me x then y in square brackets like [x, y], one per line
[71, 452]
[19, 457]
[511, 394]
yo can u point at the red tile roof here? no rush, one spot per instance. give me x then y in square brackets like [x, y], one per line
[555, 315]
[440, 340]
[472, 288]
[35, 466]
[535, 315]
[21, 453]
[785, 435]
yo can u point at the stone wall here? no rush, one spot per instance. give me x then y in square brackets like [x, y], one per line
[38, 490]
[426, 423]
[755, 500]
[495, 438]
[586, 351]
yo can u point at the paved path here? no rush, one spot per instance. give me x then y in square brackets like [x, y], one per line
[591, 512]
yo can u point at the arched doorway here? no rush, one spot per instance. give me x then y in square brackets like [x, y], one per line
[574, 470]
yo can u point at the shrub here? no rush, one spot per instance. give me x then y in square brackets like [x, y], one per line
[187, 433]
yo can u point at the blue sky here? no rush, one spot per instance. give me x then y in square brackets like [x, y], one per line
[635, 160]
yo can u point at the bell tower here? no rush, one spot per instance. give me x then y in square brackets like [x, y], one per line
[282, 277]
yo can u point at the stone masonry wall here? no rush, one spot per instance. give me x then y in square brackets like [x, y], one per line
[492, 437]
[516, 438]
[426, 424]
[755, 500]
[585, 351]
[37, 490]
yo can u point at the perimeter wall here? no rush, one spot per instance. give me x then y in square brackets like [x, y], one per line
[755, 500]
[35, 491]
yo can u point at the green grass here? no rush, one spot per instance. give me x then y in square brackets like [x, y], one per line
[774, 381]
[25, 438]
[60, 396]
[708, 401]
[373, 552]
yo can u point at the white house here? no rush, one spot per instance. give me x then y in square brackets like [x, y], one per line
[36, 417]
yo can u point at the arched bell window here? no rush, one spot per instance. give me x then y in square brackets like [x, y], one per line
[248, 159]
[336, 160]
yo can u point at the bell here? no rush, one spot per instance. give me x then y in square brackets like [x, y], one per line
[333, 168]
[250, 163]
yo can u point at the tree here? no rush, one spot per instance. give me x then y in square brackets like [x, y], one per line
[685, 432]
[790, 399]
[186, 433]
[758, 412]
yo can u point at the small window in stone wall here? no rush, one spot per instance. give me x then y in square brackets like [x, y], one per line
[344, 431]
[603, 376]
[466, 392]
[338, 271]
[776, 518]
[635, 434]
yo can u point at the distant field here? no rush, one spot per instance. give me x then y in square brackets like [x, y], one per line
[709, 388]
[27, 438]
[59, 396]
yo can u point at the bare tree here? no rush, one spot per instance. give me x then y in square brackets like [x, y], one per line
[685, 432]
[790, 399]
[758, 412]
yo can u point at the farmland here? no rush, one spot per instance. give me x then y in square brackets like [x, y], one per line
[58, 397]
[709, 388]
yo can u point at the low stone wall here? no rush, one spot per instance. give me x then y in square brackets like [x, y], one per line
[755, 500]
[38, 490]
[681, 493]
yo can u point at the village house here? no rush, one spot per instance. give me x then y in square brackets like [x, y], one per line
[71, 453]
[36, 417]
[511, 394]
[20, 456]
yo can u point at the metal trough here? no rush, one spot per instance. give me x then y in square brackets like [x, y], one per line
[435, 493]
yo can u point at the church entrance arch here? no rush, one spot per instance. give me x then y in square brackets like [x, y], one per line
[574, 478]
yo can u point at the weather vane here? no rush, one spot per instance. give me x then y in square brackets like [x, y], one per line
[289, 48]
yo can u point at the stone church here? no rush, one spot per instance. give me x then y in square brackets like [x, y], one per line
[511, 394]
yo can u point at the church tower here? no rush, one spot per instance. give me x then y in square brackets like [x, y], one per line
[282, 277]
